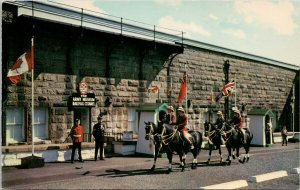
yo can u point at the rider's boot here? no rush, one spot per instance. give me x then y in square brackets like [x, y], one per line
[191, 144]
[222, 140]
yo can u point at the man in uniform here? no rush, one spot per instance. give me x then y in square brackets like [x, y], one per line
[219, 124]
[98, 133]
[236, 121]
[181, 125]
[171, 115]
[76, 135]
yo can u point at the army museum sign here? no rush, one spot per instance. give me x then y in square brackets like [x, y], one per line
[83, 99]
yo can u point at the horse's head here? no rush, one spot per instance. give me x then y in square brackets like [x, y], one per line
[207, 127]
[149, 129]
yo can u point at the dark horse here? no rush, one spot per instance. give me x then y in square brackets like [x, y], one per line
[234, 141]
[169, 140]
[214, 135]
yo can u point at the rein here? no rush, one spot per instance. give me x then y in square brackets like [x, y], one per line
[168, 137]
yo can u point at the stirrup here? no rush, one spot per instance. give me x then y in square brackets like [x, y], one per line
[192, 147]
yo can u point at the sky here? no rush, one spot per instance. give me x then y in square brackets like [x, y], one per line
[266, 28]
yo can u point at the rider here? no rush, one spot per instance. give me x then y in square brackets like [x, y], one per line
[171, 115]
[181, 124]
[219, 123]
[237, 123]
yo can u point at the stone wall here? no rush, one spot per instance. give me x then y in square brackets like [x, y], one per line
[124, 68]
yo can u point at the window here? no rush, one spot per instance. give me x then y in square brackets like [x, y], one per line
[14, 125]
[132, 120]
[40, 124]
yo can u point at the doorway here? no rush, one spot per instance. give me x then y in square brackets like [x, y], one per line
[84, 115]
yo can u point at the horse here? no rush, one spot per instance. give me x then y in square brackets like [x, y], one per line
[234, 141]
[215, 136]
[170, 140]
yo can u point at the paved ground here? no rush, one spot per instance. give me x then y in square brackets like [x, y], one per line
[134, 166]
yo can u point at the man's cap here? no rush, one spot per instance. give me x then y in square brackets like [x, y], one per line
[180, 109]
[237, 111]
[76, 120]
[219, 113]
[170, 108]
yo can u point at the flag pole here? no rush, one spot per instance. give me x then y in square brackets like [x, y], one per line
[32, 83]
[235, 83]
[32, 94]
[186, 78]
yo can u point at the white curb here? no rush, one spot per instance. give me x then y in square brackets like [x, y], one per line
[268, 176]
[294, 171]
[229, 185]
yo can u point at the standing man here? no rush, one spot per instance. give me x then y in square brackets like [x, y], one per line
[98, 133]
[76, 135]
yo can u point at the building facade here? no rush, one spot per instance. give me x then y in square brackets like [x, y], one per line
[119, 70]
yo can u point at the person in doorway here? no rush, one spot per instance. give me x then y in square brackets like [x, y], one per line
[236, 121]
[76, 134]
[171, 115]
[181, 124]
[284, 134]
[219, 124]
[98, 133]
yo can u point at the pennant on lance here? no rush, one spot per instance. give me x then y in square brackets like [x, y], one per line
[183, 88]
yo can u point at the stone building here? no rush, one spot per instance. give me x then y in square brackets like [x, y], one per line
[73, 47]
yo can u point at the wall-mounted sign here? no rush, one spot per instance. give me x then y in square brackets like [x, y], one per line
[83, 88]
[83, 100]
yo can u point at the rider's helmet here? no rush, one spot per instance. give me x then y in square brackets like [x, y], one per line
[162, 115]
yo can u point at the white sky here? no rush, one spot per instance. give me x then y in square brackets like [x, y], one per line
[265, 28]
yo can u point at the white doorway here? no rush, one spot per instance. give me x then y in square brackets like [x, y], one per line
[145, 146]
[84, 115]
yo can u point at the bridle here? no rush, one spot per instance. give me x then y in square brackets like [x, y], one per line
[165, 139]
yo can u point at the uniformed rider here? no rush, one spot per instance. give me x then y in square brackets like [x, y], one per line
[181, 125]
[236, 121]
[219, 124]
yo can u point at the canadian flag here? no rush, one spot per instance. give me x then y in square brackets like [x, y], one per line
[23, 65]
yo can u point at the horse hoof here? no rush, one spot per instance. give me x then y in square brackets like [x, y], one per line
[247, 159]
[182, 169]
[233, 157]
[194, 166]
[152, 169]
[169, 170]
[244, 160]
[240, 161]
[229, 162]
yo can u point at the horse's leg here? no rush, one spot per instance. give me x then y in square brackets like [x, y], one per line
[229, 155]
[233, 153]
[155, 157]
[220, 153]
[247, 148]
[170, 156]
[195, 162]
[182, 160]
[238, 154]
[209, 154]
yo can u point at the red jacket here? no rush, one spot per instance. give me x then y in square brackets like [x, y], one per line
[76, 133]
[181, 123]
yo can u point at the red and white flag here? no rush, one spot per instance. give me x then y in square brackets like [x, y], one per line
[22, 65]
[154, 89]
[227, 90]
[183, 88]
